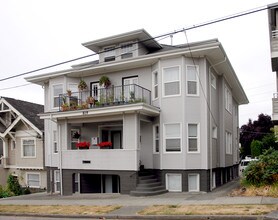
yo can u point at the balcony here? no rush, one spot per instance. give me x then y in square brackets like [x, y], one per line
[105, 97]
[101, 159]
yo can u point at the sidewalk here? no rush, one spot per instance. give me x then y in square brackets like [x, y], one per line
[131, 205]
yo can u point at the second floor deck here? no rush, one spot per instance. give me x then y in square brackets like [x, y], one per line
[97, 98]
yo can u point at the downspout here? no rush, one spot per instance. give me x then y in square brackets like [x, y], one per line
[210, 134]
[60, 162]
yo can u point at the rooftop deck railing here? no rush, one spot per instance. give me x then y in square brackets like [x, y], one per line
[114, 95]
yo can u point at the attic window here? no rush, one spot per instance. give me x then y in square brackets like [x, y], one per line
[126, 51]
[109, 54]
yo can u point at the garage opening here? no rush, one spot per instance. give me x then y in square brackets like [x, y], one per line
[99, 183]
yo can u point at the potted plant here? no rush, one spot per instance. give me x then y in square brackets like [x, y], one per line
[82, 85]
[83, 145]
[90, 100]
[105, 144]
[105, 81]
[76, 135]
[65, 107]
[69, 92]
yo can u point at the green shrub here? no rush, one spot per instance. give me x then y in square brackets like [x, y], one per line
[13, 185]
[26, 191]
[264, 171]
[4, 193]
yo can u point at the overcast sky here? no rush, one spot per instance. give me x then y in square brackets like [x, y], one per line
[39, 33]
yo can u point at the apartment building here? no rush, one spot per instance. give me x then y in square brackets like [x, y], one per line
[273, 34]
[145, 118]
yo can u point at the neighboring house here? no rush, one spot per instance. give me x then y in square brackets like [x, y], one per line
[21, 143]
[273, 33]
[170, 111]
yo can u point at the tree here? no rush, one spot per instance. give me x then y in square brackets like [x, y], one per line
[268, 141]
[256, 148]
[255, 130]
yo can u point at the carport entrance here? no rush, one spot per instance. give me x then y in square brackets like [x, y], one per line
[99, 183]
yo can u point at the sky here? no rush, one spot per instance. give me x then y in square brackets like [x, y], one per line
[40, 33]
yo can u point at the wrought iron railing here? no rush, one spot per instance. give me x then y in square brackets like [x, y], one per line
[114, 95]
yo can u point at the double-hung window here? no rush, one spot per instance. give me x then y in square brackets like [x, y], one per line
[192, 80]
[171, 81]
[57, 90]
[228, 142]
[28, 148]
[193, 138]
[172, 137]
[155, 85]
[33, 180]
[126, 50]
[109, 54]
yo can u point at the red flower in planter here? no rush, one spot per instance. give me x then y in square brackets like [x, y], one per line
[83, 144]
[105, 144]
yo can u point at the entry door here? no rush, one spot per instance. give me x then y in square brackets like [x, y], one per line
[95, 90]
[116, 138]
[130, 90]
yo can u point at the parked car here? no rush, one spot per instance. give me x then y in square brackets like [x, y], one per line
[244, 163]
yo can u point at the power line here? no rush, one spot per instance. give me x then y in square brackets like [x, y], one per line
[252, 11]
[13, 87]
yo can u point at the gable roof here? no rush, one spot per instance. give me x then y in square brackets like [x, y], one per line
[29, 110]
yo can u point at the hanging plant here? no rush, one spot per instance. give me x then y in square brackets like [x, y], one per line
[82, 85]
[105, 81]
[76, 135]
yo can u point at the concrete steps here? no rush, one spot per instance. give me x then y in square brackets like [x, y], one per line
[148, 185]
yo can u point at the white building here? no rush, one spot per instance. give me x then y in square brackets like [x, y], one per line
[172, 110]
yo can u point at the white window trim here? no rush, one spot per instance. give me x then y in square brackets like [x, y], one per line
[154, 85]
[198, 182]
[105, 52]
[212, 76]
[154, 139]
[228, 99]
[164, 139]
[179, 80]
[52, 95]
[214, 132]
[167, 181]
[34, 174]
[229, 142]
[198, 139]
[55, 142]
[55, 182]
[213, 184]
[197, 80]
[35, 148]
[127, 43]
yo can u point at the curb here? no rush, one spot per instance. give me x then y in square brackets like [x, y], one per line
[158, 217]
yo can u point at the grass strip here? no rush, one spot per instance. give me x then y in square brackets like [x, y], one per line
[208, 209]
[58, 209]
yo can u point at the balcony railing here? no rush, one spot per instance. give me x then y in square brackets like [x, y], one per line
[114, 95]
